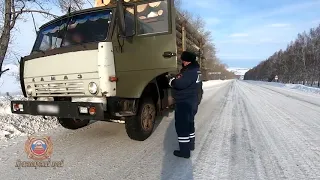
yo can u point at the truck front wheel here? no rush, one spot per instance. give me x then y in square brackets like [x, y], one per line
[73, 124]
[140, 127]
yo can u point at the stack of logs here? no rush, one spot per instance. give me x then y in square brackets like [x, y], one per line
[188, 39]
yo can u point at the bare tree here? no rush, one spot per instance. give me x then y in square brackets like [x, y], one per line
[74, 5]
[177, 4]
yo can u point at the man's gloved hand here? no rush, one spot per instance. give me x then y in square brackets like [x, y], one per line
[170, 77]
[170, 81]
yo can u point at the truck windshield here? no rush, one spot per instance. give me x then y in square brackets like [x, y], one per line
[83, 28]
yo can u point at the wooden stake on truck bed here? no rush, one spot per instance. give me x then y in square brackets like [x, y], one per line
[184, 36]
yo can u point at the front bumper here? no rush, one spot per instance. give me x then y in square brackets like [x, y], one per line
[61, 109]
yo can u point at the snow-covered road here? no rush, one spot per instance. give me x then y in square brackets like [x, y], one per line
[244, 130]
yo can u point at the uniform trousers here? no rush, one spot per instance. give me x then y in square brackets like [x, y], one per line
[184, 124]
[192, 135]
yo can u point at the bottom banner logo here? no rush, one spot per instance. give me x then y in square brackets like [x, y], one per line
[40, 150]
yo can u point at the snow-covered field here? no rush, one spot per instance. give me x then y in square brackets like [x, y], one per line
[244, 130]
[238, 71]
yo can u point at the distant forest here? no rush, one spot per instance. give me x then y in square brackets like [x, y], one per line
[299, 63]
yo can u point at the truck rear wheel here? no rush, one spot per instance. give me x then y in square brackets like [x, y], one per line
[141, 126]
[73, 124]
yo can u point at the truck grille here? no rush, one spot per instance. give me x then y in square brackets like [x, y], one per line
[59, 89]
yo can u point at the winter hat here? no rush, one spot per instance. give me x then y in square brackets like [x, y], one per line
[188, 56]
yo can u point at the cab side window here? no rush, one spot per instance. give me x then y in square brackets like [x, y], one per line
[153, 18]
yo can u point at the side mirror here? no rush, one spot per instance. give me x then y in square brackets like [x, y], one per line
[126, 20]
[129, 19]
[120, 18]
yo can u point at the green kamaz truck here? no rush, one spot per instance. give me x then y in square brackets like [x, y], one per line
[107, 63]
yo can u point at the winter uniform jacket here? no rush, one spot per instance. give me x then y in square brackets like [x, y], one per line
[185, 86]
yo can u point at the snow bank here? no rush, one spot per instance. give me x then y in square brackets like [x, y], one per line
[13, 125]
[303, 88]
[299, 87]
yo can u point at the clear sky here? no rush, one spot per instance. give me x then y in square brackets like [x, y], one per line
[248, 31]
[245, 32]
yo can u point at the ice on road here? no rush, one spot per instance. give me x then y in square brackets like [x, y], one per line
[244, 130]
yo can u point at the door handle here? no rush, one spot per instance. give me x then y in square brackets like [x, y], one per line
[168, 54]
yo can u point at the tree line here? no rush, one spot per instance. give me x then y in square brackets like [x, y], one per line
[298, 63]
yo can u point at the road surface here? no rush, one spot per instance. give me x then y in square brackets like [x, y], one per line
[244, 130]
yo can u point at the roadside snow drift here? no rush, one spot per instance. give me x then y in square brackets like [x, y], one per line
[12, 125]
[299, 87]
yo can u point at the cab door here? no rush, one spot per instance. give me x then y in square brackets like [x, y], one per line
[152, 51]
[154, 45]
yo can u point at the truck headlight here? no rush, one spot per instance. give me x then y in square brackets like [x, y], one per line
[29, 90]
[93, 88]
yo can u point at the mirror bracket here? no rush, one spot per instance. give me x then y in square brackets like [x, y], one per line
[120, 16]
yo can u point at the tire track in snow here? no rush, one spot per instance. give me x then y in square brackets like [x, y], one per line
[203, 164]
[306, 163]
[292, 154]
[267, 166]
[272, 162]
[243, 157]
[306, 126]
[229, 153]
[306, 134]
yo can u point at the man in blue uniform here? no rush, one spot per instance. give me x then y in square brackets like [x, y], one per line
[195, 106]
[185, 92]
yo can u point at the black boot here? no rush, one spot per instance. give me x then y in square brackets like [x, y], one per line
[192, 144]
[184, 151]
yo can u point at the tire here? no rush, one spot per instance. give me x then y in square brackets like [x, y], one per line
[138, 127]
[73, 124]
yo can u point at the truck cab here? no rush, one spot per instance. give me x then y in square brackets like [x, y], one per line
[107, 63]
